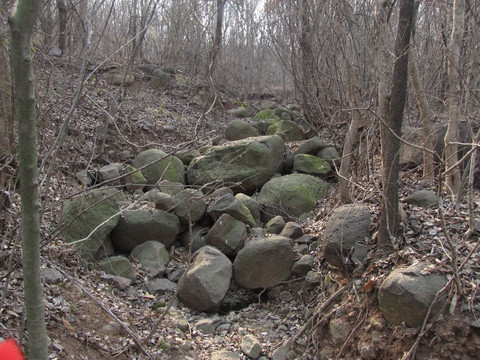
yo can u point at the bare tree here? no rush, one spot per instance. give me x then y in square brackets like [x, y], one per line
[21, 25]
[452, 171]
[391, 131]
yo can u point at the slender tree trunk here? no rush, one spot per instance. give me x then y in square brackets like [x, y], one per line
[389, 218]
[62, 24]
[21, 25]
[453, 176]
[424, 109]
[217, 40]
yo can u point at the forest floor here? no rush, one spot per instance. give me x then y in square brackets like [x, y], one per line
[89, 319]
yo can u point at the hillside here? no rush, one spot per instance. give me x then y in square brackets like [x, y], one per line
[89, 318]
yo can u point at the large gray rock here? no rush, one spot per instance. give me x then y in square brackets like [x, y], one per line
[239, 129]
[241, 112]
[406, 295]
[118, 266]
[311, 146]
[97, 210]
[190, 205]
[288, 130]
[153, 256]
[245, 165]
[168, 168]
[251, 346]
[115, 77]
[228, 204]
[311, 164]
[423, 198]
[347, 225]
[207, 281]
[134, 180]
[110, 172]
[160, 79]
[227, 235]
[291, 196]
[138, 226]
[263, 262]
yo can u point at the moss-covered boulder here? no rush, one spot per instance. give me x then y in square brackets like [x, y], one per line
[311, 146]
[134, 180]
[266, 114]
[244, 165]
[311, 164]
[239, 129]
[291, 195]
[118, 266]
[90, 218]
[163, 166]
[288, 130]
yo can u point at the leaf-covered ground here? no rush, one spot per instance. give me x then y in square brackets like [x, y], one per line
[90, 318]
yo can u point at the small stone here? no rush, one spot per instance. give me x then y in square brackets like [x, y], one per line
[285, 296]
[251, 346]
[276, 225]
[368, 352]
[292, 230]
[313, 278]
[224, 355]
[208, 326]
[422, 198]
[302, 266]
[51, 276]
[161, 286]
[113, 328]
[116, 281]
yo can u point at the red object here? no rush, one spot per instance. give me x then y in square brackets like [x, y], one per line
[10, 350]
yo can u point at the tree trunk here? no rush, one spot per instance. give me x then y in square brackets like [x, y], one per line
[424, 110]
[391, 130]
[62, 24]
[453, 176]
[21, 25]
[217, 40]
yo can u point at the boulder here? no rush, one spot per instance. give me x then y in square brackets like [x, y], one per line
[134, 180]
[227, 235]
[252, 205]
[291, 195]
[406, 295]
[96, 211]
[159, 79]
[164, 201]
[198, 237]
[311, 164]
[244, 165]
[207, 280]
[302, 266]
[115, 77]
[292, 230]
[118, 266]
[241, 112]
[288, 130]
[166, 167]
[275, 225]
[331, 155]
[228, 204]
[347, 225]
[423, 198]
[263, 125]
[138, 226]
[311, 146]
[153, 256]
[187, 155]
[238, 129]
[190, 205]
[251, 346]
[110, 172]
[263, 262]
[170, 187]
[266, 114]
